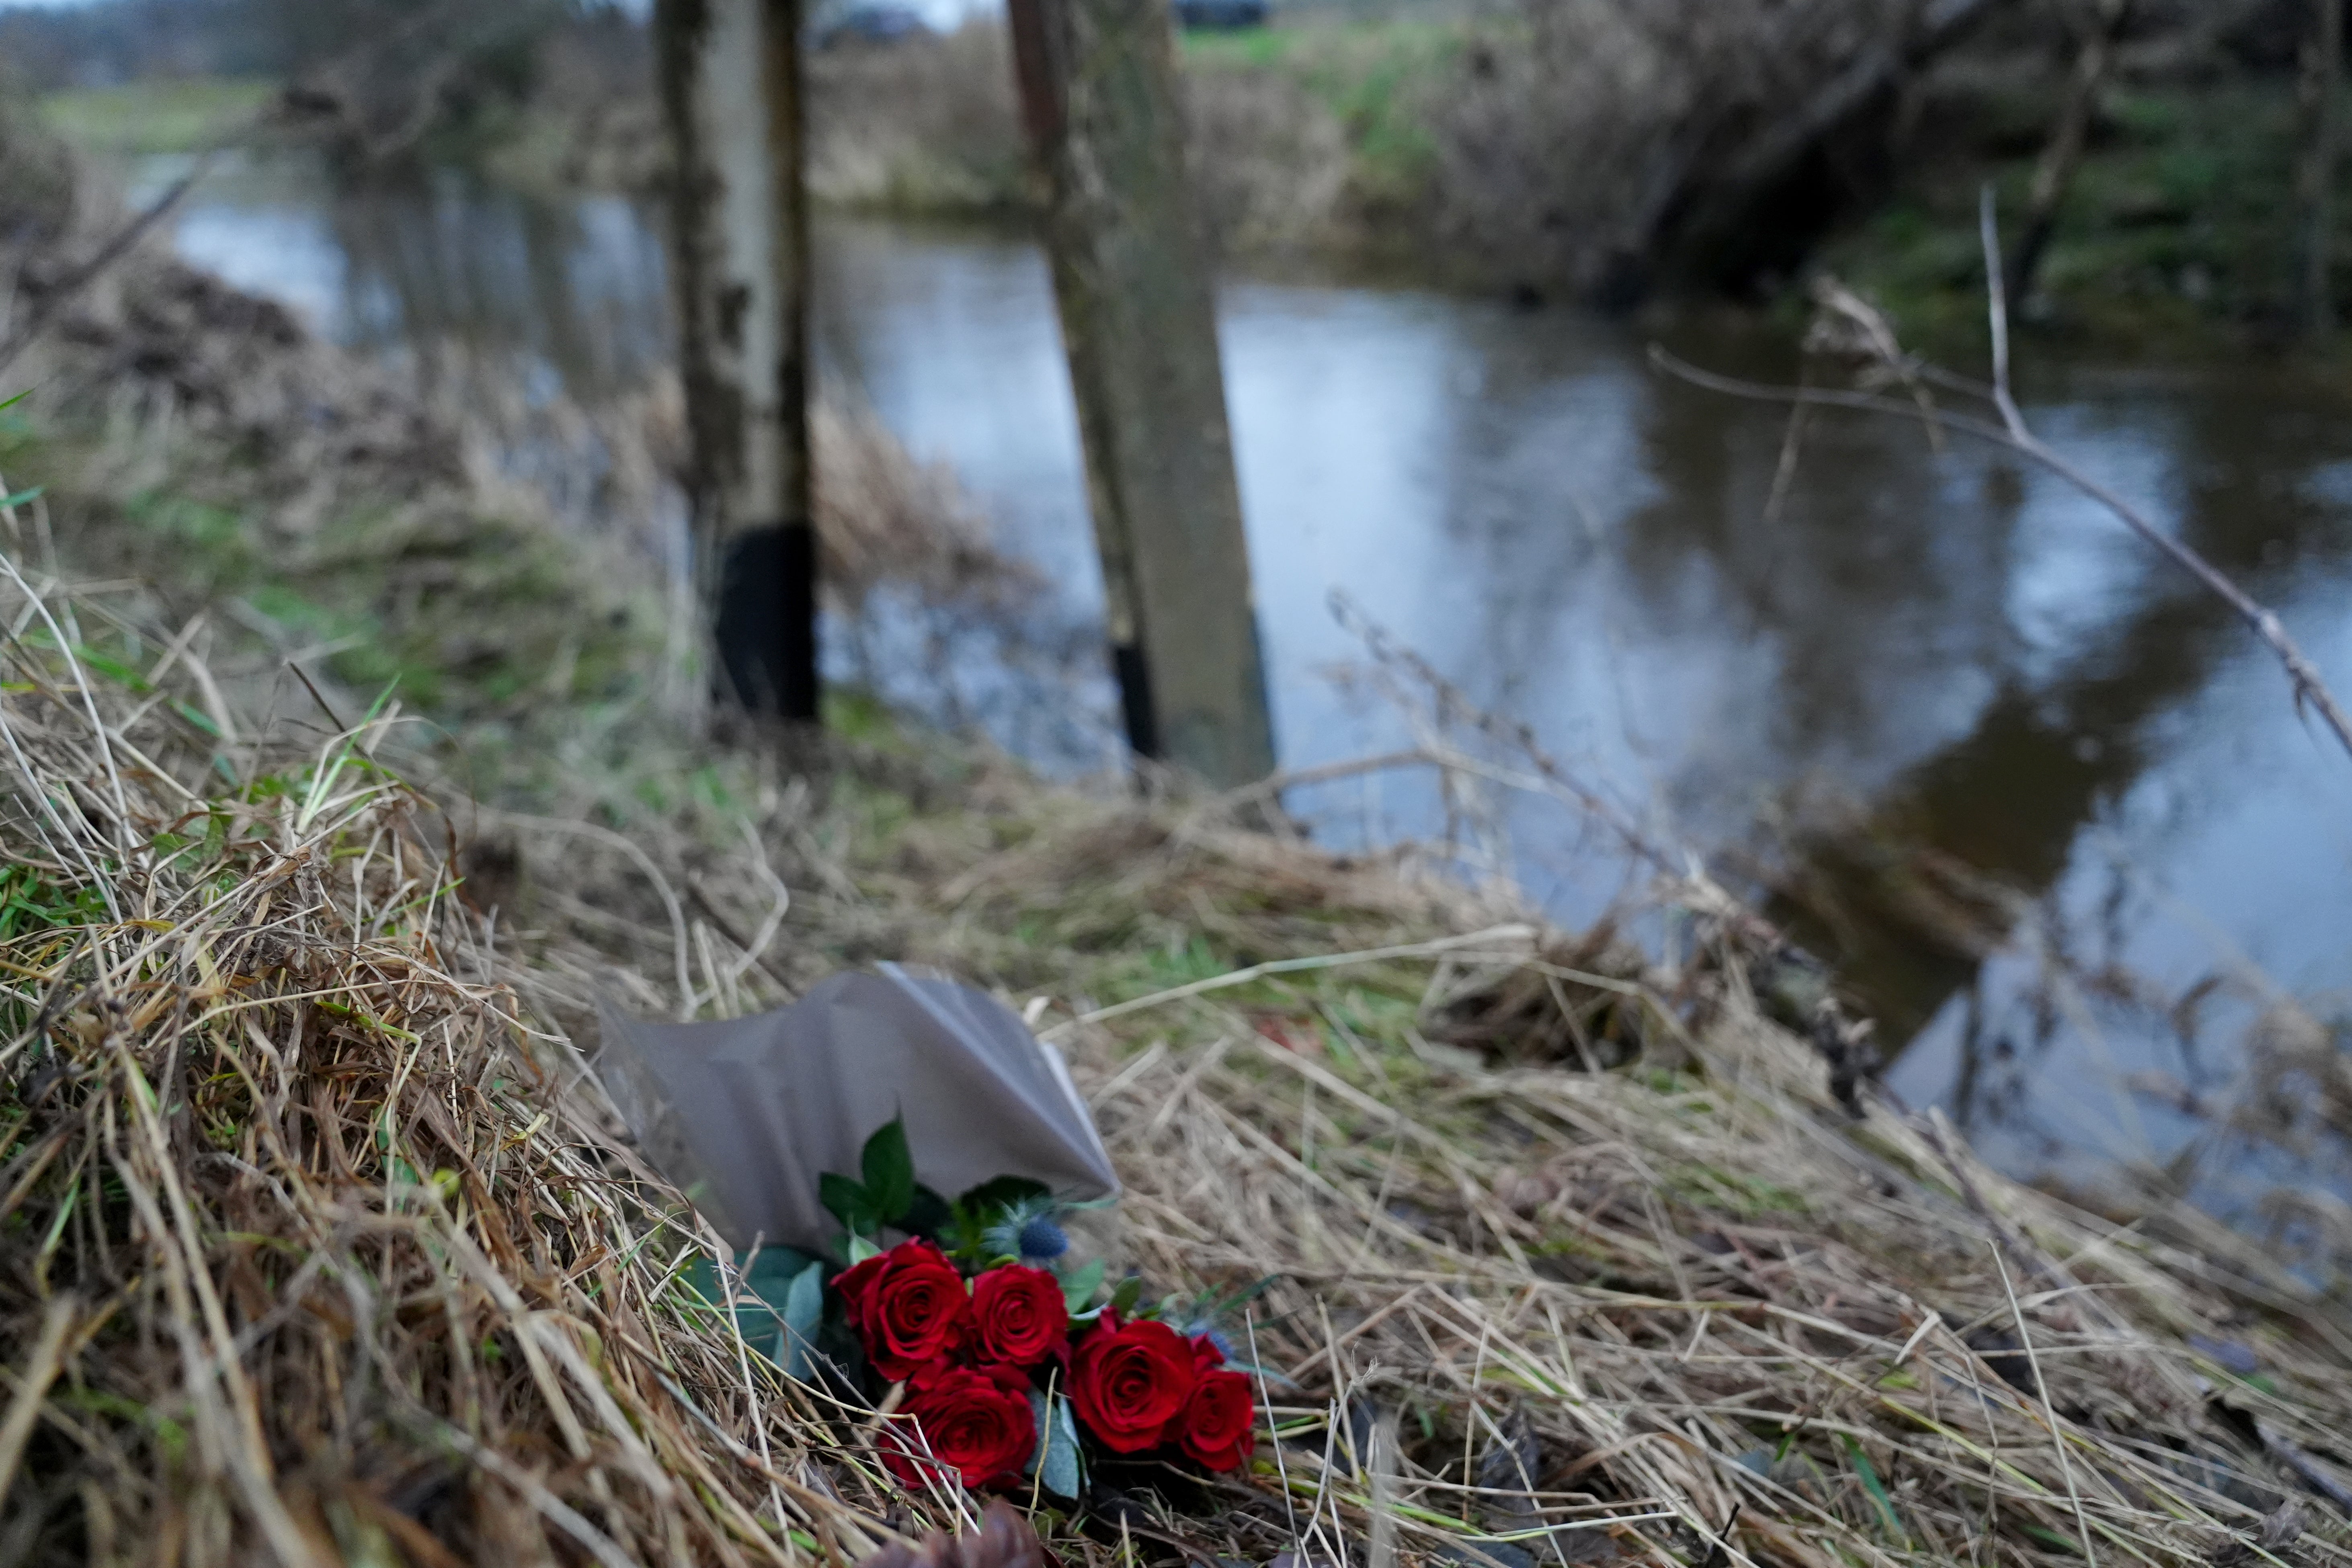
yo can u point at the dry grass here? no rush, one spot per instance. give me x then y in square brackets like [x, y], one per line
[313, 1253]
[930, 125]
[322, 1247]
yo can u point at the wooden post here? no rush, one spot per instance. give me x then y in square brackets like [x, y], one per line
[730, 86]
[2323, 86]
[1132, 276]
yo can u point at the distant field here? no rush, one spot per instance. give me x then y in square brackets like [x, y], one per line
[155, 116]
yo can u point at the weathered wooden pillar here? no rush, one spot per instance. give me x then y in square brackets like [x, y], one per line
[731, 88]
[1138, 302]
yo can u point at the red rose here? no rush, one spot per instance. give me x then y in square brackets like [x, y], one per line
[1207, 1354]
[908, 1307]
[1221, 1420]
[976, 1423]
[1018, 1315]
[1130, 1383]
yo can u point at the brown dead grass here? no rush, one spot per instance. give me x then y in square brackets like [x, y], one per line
[323, 1246]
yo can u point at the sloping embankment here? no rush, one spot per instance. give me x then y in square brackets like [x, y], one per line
[322, 1248]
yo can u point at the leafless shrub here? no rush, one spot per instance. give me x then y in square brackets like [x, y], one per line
[1575, 131]
[928, 124]
[1270, 162]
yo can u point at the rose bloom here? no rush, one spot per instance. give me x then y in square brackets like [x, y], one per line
[1018, 1315]
[909, 1306]
[1128, 1383]
[977, 1423]
[1220, 1424]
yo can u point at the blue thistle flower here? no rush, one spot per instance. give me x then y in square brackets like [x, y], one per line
[1042, 1240]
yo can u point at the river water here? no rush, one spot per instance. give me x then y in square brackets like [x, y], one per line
[2051, 808]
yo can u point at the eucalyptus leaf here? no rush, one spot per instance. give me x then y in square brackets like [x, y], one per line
[860, 1248]
[785, 1264]
[1129, 1292]
[1040, 1420]
[803, 1313]
[1057, 1469]
[701, 1277]
[888, 1167]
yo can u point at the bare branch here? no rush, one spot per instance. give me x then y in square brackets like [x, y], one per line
[2309, 687]
[1997, 300]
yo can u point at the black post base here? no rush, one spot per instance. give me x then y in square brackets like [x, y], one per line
[767, 622]
[1135, 700]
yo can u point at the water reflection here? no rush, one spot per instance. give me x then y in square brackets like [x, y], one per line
[1938, 699]
[571, 293]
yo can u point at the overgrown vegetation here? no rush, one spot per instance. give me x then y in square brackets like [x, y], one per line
[2184, 212]
[1574, 151]
[1538, 151]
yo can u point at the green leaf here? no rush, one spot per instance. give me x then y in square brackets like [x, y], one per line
[200, 719]
[1079, 1289]
[1874, 1487]
[15, 400]
[23, 498]
[1129, 1292]
[888, 1167]
[847, 1202]
[2052, 1540]
[859, 1249]
[1057, 1466]
[803, 1310]
[928, 1217]
[1002, 1193]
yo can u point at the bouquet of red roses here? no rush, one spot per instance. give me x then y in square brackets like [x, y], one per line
[1004, 1381]
[1011, 1363]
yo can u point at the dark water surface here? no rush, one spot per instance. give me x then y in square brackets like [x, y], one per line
[1920, 670]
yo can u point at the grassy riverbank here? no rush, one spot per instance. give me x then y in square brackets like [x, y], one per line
[2183, 220]
[1498, 154]
[1412, 146]
[146, 118]
[1588, 1238]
